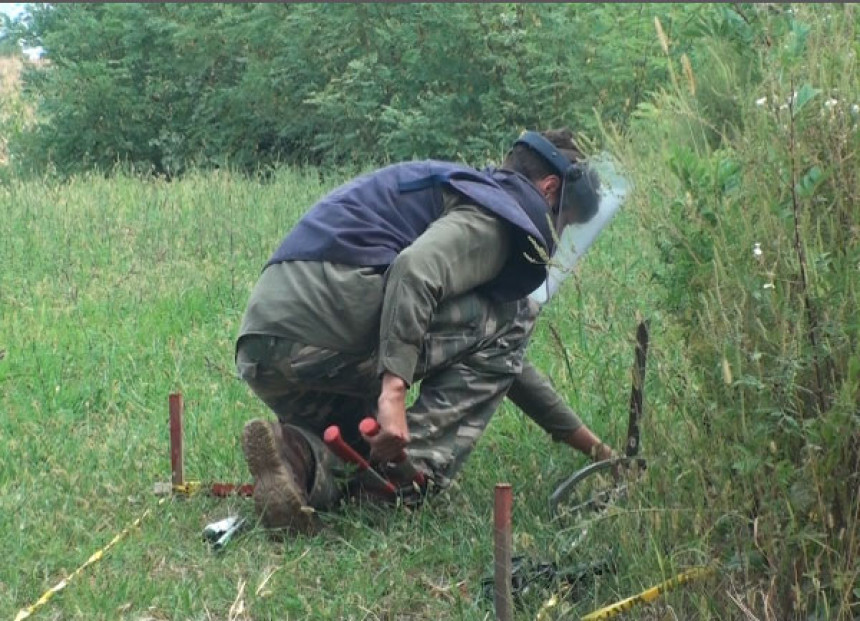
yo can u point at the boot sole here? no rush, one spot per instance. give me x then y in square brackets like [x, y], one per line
[279, 502]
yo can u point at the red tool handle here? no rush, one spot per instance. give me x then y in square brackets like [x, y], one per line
[223, 490]
[370, 427]
[334, 441]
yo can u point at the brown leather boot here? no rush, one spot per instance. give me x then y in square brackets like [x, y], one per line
[281, 463]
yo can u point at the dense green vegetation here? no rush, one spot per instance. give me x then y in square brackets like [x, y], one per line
[163, 87]
[738, 126]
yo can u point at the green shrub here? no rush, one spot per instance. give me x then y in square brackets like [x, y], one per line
[751, 197]
[164, 87]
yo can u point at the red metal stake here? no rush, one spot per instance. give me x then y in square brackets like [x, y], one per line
[502, 541]
[178, 484]
[176, 462]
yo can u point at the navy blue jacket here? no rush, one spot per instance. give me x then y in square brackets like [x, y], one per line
[370, 220]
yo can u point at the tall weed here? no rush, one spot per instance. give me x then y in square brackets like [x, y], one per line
[750, 192]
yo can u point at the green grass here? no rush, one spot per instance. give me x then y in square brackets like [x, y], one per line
[118, 292]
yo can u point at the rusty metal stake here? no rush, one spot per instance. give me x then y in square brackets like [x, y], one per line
[176, 461]
[178, 485]
[502, 540]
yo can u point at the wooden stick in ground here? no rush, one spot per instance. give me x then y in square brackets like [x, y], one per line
[176, 460]
[502, 540]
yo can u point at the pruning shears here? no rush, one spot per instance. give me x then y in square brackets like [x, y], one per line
[597, 495]
[219, 533]
[370, 427]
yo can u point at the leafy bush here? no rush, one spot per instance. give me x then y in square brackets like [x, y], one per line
[754, 208]
[164, 87]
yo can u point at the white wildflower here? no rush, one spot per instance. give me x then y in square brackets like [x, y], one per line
[768, 285]
[855, 108]
[761, 101]
[757, 249]
[830, 103]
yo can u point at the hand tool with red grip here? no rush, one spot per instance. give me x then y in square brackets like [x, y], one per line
[370, 427]
[334, 441]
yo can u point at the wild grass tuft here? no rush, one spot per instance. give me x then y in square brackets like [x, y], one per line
[754, 216]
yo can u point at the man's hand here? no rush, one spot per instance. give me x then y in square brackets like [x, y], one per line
[393, 433]
[584, 440]
[602, 452]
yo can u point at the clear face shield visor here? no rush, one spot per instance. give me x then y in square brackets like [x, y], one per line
[584, 213]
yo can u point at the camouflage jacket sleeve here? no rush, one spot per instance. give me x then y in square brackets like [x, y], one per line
[466, 247]
[535, 396]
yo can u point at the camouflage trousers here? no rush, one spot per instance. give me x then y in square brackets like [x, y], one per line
[468, 360]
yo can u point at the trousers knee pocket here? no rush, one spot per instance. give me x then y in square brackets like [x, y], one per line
[247, 370]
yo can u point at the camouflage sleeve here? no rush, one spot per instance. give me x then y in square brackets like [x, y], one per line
[463, 249]
[535, 396]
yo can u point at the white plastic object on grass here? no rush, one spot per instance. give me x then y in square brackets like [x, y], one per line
[576, 239]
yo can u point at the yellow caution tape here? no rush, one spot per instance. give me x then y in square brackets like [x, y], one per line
[648, 595]
[188, 488]
[543, 613]
[96, 556]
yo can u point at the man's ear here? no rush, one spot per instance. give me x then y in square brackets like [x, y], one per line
[549, 187]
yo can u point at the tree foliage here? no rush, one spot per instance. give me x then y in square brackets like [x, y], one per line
[8, 37]
[163, 87]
